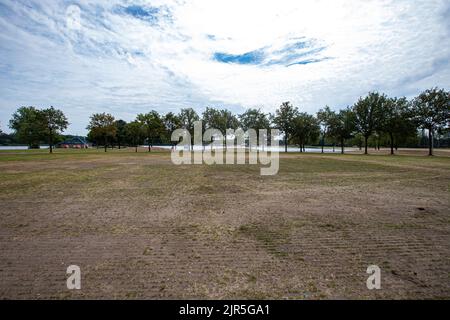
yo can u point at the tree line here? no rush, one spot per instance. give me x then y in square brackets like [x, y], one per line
[374, 118]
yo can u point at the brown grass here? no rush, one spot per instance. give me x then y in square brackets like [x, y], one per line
[141, 227]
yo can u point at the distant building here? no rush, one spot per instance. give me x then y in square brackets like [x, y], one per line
[74, 142]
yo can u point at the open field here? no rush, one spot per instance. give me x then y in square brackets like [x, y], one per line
[141, 227]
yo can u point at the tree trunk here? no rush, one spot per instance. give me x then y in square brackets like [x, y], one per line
[392, 142]
[430, 142]
[135, 148]
[342, 145]
[334, 144]
[365, 144]
[149, 147]
[50, 141]
[285, 142]
[106, 143]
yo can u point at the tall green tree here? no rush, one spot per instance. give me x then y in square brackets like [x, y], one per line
[171, 123]
[134, 134]
[397, 120]
[324, 117]
[305, 130]
[431, 110]
[254, 119]
[153, 126]
[28, 126]
[187, 117]
[101, 127]
[120, 132]
[54, 122]
[368, 112]
[284, 120]
[342, 126]
[212, 119]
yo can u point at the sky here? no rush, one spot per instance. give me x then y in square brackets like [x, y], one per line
[129, 57]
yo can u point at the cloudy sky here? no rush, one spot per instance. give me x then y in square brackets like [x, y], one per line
[127, 57]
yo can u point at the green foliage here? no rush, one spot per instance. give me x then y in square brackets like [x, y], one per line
[55, 122]
[187, 118]
[220, 119]
[284, 117]
[338, 126]
[171, 123]
[102, 128]
[431, 109]
[120, 132]
[368, 114]
[342, 124]
[134, 133]
[8, 139]
[153, 126]
[396, 120]
[324, 116]
[254, 119]
[28, 126]
[31, 126]
[305, 129]
[284, 120]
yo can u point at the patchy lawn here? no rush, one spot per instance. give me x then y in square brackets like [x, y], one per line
[141, 227]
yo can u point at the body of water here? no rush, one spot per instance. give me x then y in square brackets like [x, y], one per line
[279, 149]
[19, 147]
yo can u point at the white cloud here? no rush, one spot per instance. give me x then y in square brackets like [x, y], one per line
[105, 58]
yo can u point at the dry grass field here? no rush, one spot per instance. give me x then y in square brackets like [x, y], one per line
[141, 227]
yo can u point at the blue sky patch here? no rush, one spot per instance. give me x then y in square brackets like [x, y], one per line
[252, 57]
[299, 52]
[142, 12]
[306, 61]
